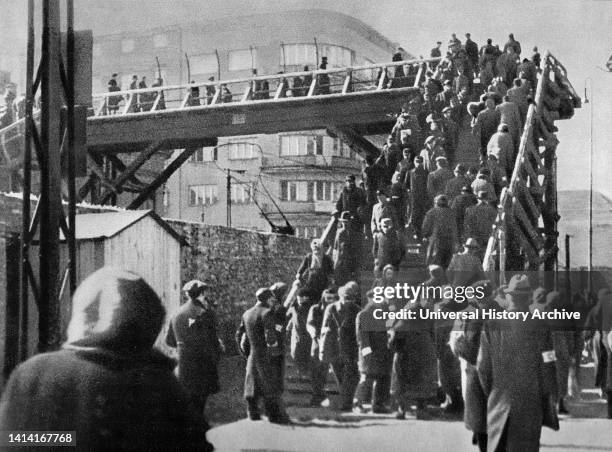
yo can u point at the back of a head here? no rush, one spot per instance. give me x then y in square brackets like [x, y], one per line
[117, 310]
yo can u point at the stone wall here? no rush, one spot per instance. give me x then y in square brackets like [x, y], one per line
[236, 263]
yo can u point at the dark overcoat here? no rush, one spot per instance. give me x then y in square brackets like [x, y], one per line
[113, 401]
[372, 337]
[439, 226]
[262, 378]
[415, 368]
[478, 222]
[300, 339]
[338, 336]
[520, 386]
[193, 332]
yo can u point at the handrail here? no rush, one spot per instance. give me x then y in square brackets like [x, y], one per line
[534, 112]
[265, 77]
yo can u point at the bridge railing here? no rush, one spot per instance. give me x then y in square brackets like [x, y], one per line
[530, 198]
[10, 139]
[263, 88]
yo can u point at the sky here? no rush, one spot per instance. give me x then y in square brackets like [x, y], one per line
[577, 32]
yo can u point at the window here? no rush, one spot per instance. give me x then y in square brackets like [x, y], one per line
[301, 145]
[202, 195]
[324, 191]
[160, 40]
[241, 150]
[204, 155]
[306, 54]
[241, 60]
[127, 45]
[203, 64]
[298, 54]
[241, 193]
[297, 190]
[341, 149]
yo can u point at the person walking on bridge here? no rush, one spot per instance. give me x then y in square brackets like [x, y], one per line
[437, 180]
[459, 205]
[388, 246]
[346, 251]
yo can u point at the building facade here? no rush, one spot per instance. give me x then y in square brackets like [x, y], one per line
[293, 176]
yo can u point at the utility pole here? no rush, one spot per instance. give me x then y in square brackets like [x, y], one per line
[228, 187]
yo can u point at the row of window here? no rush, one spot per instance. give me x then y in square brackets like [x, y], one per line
[244, 59]
[207, 194]
[306, 54]
[308, 232]
[290, 145]
[242, 193]
[309, 190]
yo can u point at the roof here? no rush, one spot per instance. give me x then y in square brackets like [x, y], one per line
[93, 226]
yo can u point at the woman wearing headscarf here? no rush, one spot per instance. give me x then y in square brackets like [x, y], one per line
[107, 383]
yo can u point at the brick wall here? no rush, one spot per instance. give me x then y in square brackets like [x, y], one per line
[236, 263]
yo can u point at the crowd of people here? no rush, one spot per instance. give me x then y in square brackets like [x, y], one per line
[506, 378]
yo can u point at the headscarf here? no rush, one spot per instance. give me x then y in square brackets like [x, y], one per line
[116, 310]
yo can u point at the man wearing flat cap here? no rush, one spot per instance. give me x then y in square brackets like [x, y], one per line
[257, 339]
[193, 332]
[352, 200]
[459, 205]
[479, 220]
[516, 367]
[436, 180]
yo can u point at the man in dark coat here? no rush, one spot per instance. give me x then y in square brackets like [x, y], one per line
[479, 220]
[375, 358]
[279, 313]
[465, 343]
[419, 198]
[451, 134]
[486, 125]
[398, 201]
[339, 344]
[436, 180]
[256, 339]
[440, 229]
[403, 168]
[346, 251]
[471, 49]
[465, 267]
[415, 368]
[435, 53]
[193, 332]
[300, 339]
[352, 200]
[316, 270]
[323, 79]
[517, 371]
[454, 185]
[107, 384]
[459, 205]
[388, 246]
[314, 323]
